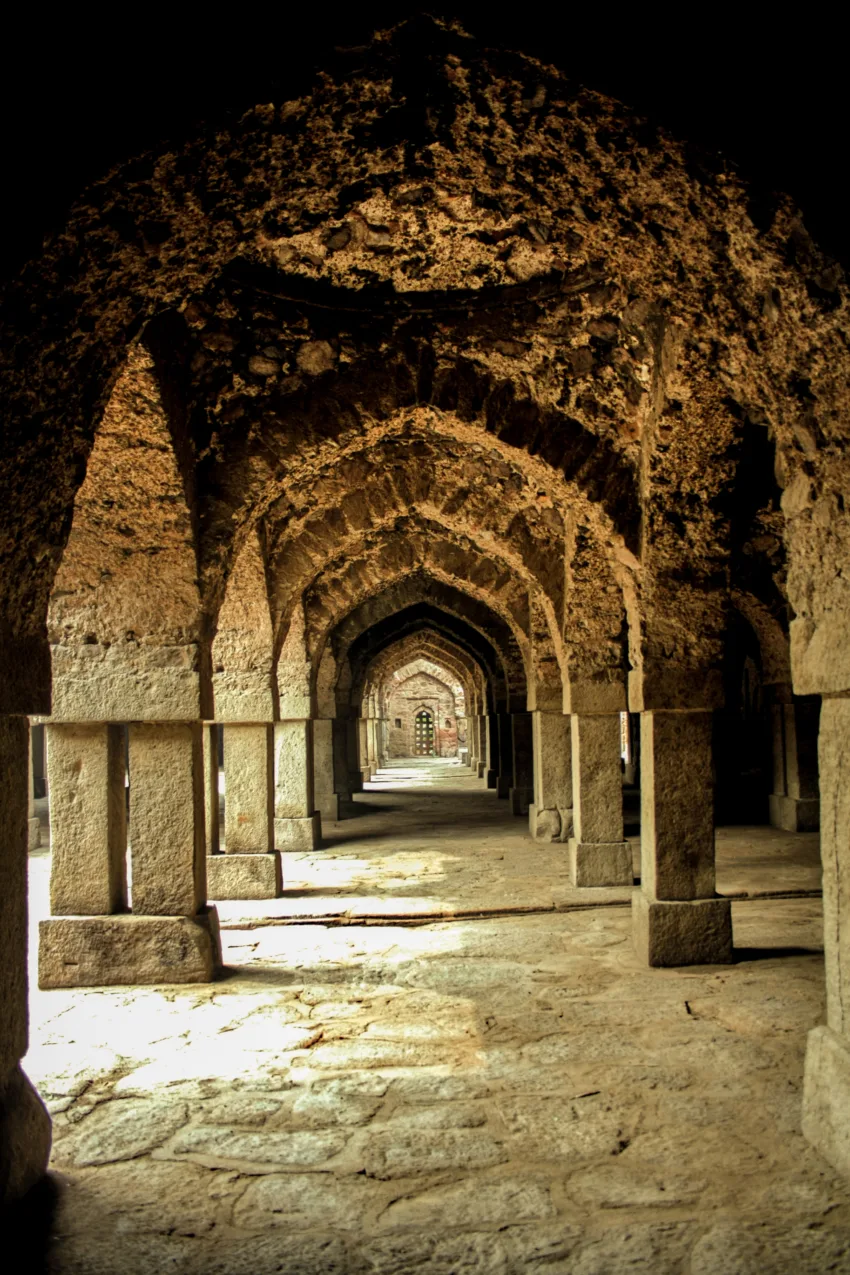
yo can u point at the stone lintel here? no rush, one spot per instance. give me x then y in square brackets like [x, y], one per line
[298, 833]
[102, 951]
[826, 1096]
[244, 876]
[599, 863]
[696, 932]
[794, 814]
[239, 705]
[660, 687]
[594, 697]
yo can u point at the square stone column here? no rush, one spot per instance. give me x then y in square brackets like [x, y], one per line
[297, 824]
[794, 802]
[599, 855]
[209, 738]
[250, 866]
[33, 821]
[522, 791]
[482, 745]
[826, 1089]
[88, 819]
[678, 919]
[550, 815]
[363, 750]
[492, 750]
[325, 795]
[171, 935]
[24, 1122]
[505, 780]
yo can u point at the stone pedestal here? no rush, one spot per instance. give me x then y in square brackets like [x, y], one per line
[678, 919]
[698, 932]
[102, 951]
[244, 876]
[550, 815]
[24, 1123]
[297, 825]
[167, 849]
[794, 803]
[599, 855]
[88, 824]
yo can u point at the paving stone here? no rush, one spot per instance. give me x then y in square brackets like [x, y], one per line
[272, 1255]
[219, 1147]
[389, 1154]
[474, 1202]
[120, 1130]
[762, 1247]
[552, 1128]
[297, 1200]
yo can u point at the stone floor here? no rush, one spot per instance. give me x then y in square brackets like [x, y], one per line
[385, 1092]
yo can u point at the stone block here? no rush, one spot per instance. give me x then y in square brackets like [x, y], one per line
[594, 863]
[298, 834]
[794, 814]
[694, 932]
[102, 951]
[248, 788]
[167, 819]
[88, 822]
[826, 1097]
[244, 876]
[520, 799]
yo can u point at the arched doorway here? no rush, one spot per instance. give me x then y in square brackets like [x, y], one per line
[423, 737]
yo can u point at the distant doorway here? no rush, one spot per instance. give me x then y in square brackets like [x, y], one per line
[423, 738]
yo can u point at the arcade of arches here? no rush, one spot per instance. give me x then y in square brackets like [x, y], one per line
[455, 415]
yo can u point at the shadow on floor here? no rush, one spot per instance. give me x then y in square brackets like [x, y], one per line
[741, 954]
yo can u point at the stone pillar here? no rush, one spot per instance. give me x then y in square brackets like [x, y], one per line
[826, 1091]
[492, 750]
[33, 821]
[250, 866]
[88, 820]
[209, 738]
[794, 802]
[171, 935]
[472, 742]
[505, 781]
[24, 1122]
[363, 750]
[678, 919]
[326, 799]
[482, 745]
[297, 823]
[550, 815]
[522, 791]
[599, 855]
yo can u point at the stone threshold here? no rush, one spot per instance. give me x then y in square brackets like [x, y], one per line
[479, 914]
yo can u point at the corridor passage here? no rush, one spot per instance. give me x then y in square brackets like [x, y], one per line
[377, 1092]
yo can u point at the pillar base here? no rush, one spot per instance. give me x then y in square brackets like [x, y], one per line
[101, 951]
[794, 814]
[503, 786]
[600, 863]
[298, 834]
[482, 769]
[492, 778]
[520, 799]
[33, 833]
[24, 1137]
[244, 876]
[328, 811]
[826, 1097]
[550, 824]
[668, 933]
